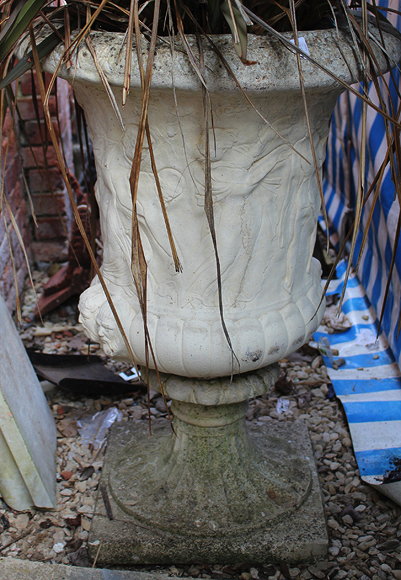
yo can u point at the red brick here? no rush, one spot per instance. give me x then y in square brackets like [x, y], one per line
[25, 83]
[56, 251]
[46, 204]
[27, 109]
[40, 180]
[38, 156]
[34, 133]
[19, 256]
[19, 210]
[50, 228]
[16, 195]
[12, 176]
[20, 214]
[9, 286]
[8, 143]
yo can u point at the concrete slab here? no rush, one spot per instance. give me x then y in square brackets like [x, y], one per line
[27, 429]
[125, 540]
[14, 569]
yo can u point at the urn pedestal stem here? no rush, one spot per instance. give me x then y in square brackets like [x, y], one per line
[208, 488]
[208, 476]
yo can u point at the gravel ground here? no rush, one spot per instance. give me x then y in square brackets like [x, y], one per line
[364, 527]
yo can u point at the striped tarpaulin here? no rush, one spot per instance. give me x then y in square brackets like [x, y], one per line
[367, 380]
[341, 178]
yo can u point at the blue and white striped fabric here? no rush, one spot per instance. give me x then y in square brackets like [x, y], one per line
[340, 186]
[368, 383]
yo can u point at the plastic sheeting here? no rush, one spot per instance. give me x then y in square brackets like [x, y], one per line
[367, 380]
[342, 168]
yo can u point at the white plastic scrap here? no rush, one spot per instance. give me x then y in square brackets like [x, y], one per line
[93, 429]
[301, 44]
[59, 547]
[282, 406]
[135, 375]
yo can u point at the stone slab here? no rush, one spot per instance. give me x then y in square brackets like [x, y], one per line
[298, 537]
[27, 429]
[14, 569]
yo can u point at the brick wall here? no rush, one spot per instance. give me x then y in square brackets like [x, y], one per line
[13, 266]
[42, 213]
[50, 203]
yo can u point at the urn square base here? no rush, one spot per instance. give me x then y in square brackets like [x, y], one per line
[118, 538]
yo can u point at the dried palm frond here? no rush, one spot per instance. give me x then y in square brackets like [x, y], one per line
[152, 18]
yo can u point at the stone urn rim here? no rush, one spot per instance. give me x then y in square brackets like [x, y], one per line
[274, 64]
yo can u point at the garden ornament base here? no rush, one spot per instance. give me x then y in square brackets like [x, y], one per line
[207, 490]
[203, 493]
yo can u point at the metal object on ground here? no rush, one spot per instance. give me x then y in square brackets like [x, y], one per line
[81, 374]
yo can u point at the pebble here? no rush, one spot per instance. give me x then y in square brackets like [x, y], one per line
[366, 545]
[316, 572]
[389, 545]
[81, 486]
[364, 528]
[361, 508]
[333, 524]
[21, 521]
[365, 538]
[59, 547]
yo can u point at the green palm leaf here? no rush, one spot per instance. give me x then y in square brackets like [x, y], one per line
[26, 63]
[18, 23]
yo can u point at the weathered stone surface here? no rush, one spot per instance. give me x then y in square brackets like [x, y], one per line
[295, 536]
[224, 482]
[27, 430]
[13, 569]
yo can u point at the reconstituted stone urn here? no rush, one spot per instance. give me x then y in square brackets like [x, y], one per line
[206, 490]
[265, 196]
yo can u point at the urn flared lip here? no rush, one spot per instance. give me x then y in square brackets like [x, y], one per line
[275, 67]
